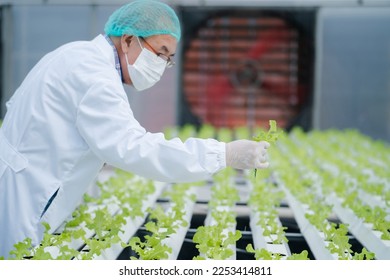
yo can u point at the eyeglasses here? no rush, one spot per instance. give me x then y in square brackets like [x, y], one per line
[169, 61]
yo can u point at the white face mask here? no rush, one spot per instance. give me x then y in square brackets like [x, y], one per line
[146, 70]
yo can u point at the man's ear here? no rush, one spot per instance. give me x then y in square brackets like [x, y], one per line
[126, 41]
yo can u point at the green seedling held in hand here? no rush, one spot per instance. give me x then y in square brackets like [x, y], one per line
[271, 136]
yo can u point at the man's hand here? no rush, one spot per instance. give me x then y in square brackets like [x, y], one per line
[247, 154]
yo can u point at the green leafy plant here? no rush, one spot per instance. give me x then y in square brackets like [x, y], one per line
[162, 224]
[264, 254]
[150, 249]
[92, 223]
[213, 242]
[22, 249]
[206, 131]
[364, 255]
[271, 136]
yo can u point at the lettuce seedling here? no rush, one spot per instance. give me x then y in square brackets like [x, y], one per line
[271, 136]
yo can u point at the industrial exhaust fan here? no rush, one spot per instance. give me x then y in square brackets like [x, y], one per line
[244, 68]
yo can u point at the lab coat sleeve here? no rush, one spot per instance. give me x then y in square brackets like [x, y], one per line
[107, 124]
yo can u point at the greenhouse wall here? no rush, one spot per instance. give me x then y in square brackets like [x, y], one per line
[352, 61]
[353, 69]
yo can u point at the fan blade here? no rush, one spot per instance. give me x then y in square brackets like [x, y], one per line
[265, 41]
[217, 91]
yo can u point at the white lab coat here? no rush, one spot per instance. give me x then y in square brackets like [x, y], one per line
[69, 117]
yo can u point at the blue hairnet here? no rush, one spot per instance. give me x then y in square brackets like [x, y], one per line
[143, 18]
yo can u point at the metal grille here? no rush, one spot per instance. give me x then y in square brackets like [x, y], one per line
[243, 70]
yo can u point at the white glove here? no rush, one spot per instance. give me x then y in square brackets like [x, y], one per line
[247, 154]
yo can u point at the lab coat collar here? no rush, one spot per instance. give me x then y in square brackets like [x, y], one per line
[106, 50]
[116, 56]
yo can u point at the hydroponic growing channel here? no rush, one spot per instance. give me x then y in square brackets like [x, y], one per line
[326, 195]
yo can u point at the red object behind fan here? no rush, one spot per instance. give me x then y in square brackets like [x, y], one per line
[243, 72]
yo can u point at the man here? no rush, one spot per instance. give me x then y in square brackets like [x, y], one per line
[71, 115]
